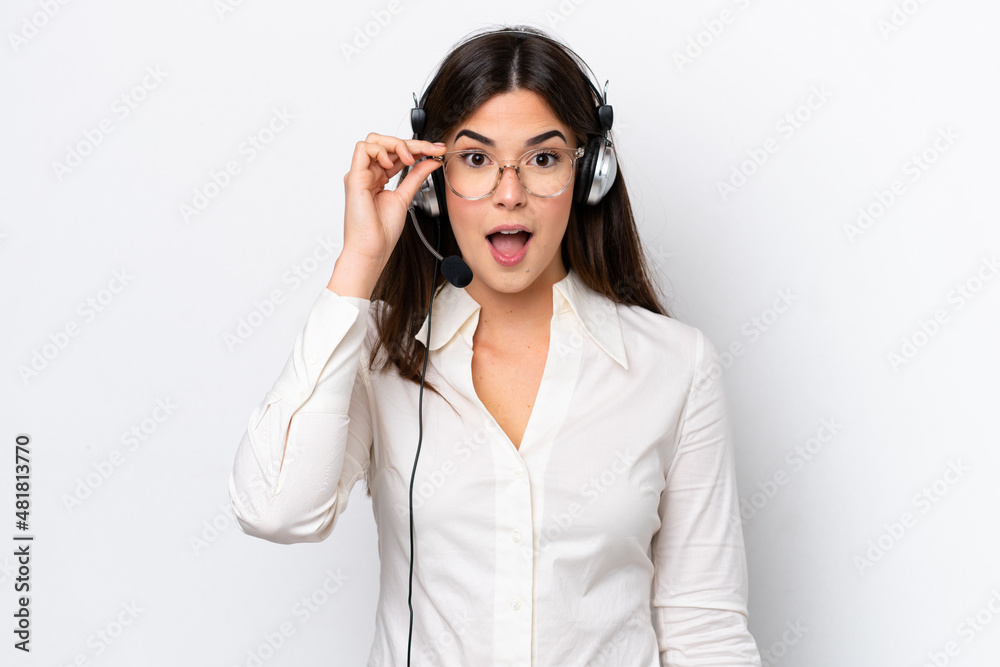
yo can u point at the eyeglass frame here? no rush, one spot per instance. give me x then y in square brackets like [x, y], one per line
[574, 155]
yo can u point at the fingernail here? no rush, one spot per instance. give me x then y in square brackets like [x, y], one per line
[441, 144]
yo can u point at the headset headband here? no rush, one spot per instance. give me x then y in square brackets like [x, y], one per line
[605, 115]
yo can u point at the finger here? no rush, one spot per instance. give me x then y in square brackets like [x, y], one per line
[417, 146]
[369, 169]
[418, 174]
[387, 175]
[381, 155]
[391, 143]
[375, 175]
[409, 149]
[377, 153]
[397, 165]
[365, 155]
[403, 151]
[376, 149]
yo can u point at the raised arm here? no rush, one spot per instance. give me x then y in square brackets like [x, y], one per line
[309, 441]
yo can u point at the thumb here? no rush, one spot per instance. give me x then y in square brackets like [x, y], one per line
[409, 186]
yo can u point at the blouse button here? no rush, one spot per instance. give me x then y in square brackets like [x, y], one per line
[515, 604]
[312, 358]
[516, 536]
[519, 473]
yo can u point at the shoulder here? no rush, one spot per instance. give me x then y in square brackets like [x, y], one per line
[648, 335]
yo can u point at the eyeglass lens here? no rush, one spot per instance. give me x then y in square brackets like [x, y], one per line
[544, 172]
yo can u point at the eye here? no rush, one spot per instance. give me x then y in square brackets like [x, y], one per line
[546, 158]
[475, 159]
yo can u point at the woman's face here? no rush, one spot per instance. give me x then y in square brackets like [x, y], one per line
[506, 126]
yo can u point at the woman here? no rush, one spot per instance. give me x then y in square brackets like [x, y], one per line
[576, 503]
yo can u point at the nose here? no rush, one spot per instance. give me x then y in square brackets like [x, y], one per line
[509, 190]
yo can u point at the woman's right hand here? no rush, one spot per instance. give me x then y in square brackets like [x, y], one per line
[373, 216]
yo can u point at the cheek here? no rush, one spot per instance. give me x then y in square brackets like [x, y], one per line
[461, 209]
[558, 216]
[460, 212]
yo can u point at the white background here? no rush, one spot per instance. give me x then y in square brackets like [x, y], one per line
[842, 545]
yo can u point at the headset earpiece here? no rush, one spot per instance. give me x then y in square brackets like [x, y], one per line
[427, 197]
[439, 201]
[598, 169]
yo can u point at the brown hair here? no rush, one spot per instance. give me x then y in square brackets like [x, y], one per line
[601, 243]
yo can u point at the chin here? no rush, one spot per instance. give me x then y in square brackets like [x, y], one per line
[507, 282]
[511, 280]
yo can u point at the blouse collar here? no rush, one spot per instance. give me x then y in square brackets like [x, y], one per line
[457, 313]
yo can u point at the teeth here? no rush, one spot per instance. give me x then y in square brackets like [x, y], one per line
[512, 231]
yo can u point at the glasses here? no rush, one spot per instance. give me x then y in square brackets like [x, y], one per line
[475, 174]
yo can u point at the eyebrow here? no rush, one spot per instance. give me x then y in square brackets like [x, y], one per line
[530, 142]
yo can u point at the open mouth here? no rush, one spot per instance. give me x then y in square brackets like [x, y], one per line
[509, 243]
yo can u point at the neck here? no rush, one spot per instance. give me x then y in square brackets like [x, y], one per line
[511, 316]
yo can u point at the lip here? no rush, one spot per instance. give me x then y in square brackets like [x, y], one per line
[516, 258]
[508, 228]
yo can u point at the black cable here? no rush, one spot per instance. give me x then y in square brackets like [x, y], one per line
[420, 437]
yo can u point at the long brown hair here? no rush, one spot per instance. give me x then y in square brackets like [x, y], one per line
[601, 243]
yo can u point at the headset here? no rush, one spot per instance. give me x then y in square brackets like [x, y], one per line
[596, 173]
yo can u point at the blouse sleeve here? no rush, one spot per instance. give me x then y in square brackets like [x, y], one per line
[309, 441]
[700, 570]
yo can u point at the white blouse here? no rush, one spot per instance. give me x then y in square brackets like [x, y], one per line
[611, 537]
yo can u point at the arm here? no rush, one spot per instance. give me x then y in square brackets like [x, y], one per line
[309, 441]
[700, 575]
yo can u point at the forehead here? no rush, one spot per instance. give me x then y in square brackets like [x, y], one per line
[510, 118]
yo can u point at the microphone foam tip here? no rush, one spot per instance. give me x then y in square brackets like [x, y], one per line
[456, 271]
